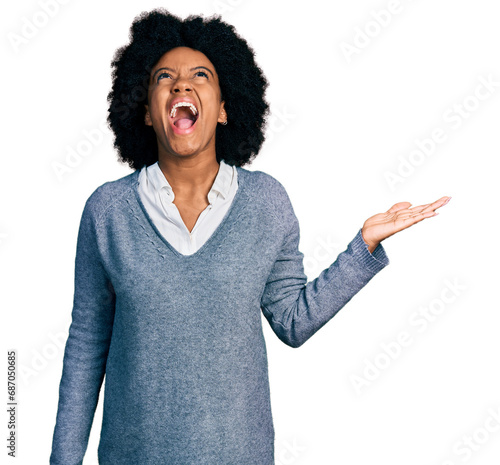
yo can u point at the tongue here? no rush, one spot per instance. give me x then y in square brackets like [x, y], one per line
[184, 123]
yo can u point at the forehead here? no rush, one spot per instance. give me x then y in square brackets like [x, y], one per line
[184, 56]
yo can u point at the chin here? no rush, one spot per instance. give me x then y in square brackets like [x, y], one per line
[183, 150]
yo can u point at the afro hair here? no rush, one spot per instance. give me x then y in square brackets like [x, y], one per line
[242, 84]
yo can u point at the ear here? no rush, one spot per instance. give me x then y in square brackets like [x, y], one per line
[147, 117]
[222, 113]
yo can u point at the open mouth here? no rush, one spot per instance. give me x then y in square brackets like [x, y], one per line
[184, 115]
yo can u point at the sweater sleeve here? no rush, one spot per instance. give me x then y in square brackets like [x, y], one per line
[86, 348]
[295, 308]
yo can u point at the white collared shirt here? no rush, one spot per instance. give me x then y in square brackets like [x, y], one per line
[157, 196]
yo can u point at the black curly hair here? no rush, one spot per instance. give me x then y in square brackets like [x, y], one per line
[242, 84]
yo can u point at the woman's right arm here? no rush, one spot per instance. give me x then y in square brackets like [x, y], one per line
[86, 348]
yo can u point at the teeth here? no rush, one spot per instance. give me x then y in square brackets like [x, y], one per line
[193, 109]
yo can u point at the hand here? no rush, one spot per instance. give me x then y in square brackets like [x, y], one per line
[398, 217]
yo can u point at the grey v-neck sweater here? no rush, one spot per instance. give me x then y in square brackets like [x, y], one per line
[179, 337]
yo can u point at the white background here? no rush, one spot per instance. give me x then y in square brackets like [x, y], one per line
[351, 120]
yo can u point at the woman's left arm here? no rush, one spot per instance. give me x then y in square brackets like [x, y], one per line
[295, 308]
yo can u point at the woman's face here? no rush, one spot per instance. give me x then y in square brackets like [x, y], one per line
[184, 75]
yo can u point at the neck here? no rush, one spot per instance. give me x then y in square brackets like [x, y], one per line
[189, 177]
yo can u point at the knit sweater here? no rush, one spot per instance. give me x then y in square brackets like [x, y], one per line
[179, 337]
[158, 198]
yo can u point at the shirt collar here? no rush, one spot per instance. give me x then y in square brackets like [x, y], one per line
[221, 185]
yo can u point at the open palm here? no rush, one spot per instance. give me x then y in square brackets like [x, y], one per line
[400, 216]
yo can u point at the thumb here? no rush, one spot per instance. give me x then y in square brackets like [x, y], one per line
[399, 206]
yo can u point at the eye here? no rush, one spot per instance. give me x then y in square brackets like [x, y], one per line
[162, 74]
[201, 72]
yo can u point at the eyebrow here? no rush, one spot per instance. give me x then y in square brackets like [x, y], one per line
[192, 69]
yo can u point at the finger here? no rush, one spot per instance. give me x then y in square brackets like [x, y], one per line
[430, 206]
[437, 204]
[407, 212]
[411, 219]
[419, 214]
[398, 206]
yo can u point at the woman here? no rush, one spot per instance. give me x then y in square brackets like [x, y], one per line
[176, 261]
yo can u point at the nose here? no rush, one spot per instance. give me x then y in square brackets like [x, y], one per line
[181, 85]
